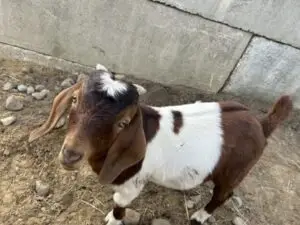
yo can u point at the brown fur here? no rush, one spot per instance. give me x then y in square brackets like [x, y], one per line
[177, 121]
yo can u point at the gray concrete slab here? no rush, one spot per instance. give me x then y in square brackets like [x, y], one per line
[279, 20]
[266, 71]
[134, 37]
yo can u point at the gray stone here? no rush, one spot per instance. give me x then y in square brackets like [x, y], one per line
[131, 217]
[14, 103]
[238, 221]
[211, 220]
[22, 88]
[39, 87]
[190, 204]
[25, 70]
[6, 152]
[8, 86]
[8, 120]
[61, 122]
[67, 83]
[40, 95]
[160, 222]
[267, 70]
[81, 76]
[157, 42]
[282, 17]
[237, 201]
[42, 189]
[30, 90]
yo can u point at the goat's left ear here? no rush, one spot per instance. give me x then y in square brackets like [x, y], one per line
[128, 149]
[141, 90]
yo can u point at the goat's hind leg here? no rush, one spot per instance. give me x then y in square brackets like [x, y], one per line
[220, 195]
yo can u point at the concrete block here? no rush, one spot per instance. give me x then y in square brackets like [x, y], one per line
[279, 20]
[136, 37]
[266, 71]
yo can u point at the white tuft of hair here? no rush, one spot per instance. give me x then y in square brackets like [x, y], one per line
[112, 87]
[101, 67]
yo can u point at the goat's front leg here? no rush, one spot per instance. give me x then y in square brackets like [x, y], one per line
[123, 196]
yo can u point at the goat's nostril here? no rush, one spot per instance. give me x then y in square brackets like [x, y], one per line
[71, 156]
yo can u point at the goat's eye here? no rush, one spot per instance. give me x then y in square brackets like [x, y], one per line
[74, 99]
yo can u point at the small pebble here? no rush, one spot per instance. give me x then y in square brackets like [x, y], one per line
[30, 90]
[6, 152]
[237, 201]
[42, 189]
[160, 222]
[190, 204]
[61, 122]
[238, 221]
[81, 76]
[25, 69]
[40, 95]
[14, 103]
[131, 217]
[22, 88]
[8, 120]
[211, 220]
[67, 83]
[8, 86]
[39, 87]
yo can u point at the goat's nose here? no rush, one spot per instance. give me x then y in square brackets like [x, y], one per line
[71, 156]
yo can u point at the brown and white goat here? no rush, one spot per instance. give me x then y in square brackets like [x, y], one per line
[128, 144]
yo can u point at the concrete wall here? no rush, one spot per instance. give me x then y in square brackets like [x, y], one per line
[212, 45]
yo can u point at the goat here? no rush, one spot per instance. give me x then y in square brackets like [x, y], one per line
[128, 144]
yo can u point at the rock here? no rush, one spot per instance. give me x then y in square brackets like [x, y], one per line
[8, 86]
[238, 221]
[25, 69]
[160, 222]
[30, 90]
[40, 95]
[6, 152]
[61, 122]
[39, 87]
[67, 83]
[81, 76]
[8, 120]
[190, 204]
[14, 103]
[237, 201]
[131, 217]
[22, 88]
[211, 220]
[42, 189]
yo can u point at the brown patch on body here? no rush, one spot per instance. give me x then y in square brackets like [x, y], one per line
[177, 121]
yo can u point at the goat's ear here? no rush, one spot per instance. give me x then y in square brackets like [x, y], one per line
[59, 106]
[141, 90]
[127, 150]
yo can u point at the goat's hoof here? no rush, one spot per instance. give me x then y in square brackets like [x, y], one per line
[195, 222]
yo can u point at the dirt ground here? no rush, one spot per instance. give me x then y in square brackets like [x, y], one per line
[270, 194]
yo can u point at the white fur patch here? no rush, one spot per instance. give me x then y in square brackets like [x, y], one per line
[110, 219]
[112, 87]
[101, 67]
[200, 216]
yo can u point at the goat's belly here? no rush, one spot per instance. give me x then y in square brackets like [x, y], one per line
[186, 179]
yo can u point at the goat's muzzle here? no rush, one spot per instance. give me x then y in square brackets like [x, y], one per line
[70, 158]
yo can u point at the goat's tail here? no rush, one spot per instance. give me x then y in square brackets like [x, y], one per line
[278, 113]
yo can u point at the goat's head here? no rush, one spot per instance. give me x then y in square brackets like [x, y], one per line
[105, 125]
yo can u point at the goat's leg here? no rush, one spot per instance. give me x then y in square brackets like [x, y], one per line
[122, 198]
[220, 195]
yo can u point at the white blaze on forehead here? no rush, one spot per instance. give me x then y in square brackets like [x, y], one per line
[112, 87]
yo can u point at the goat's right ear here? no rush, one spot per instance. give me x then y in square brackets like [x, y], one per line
[59, 106]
